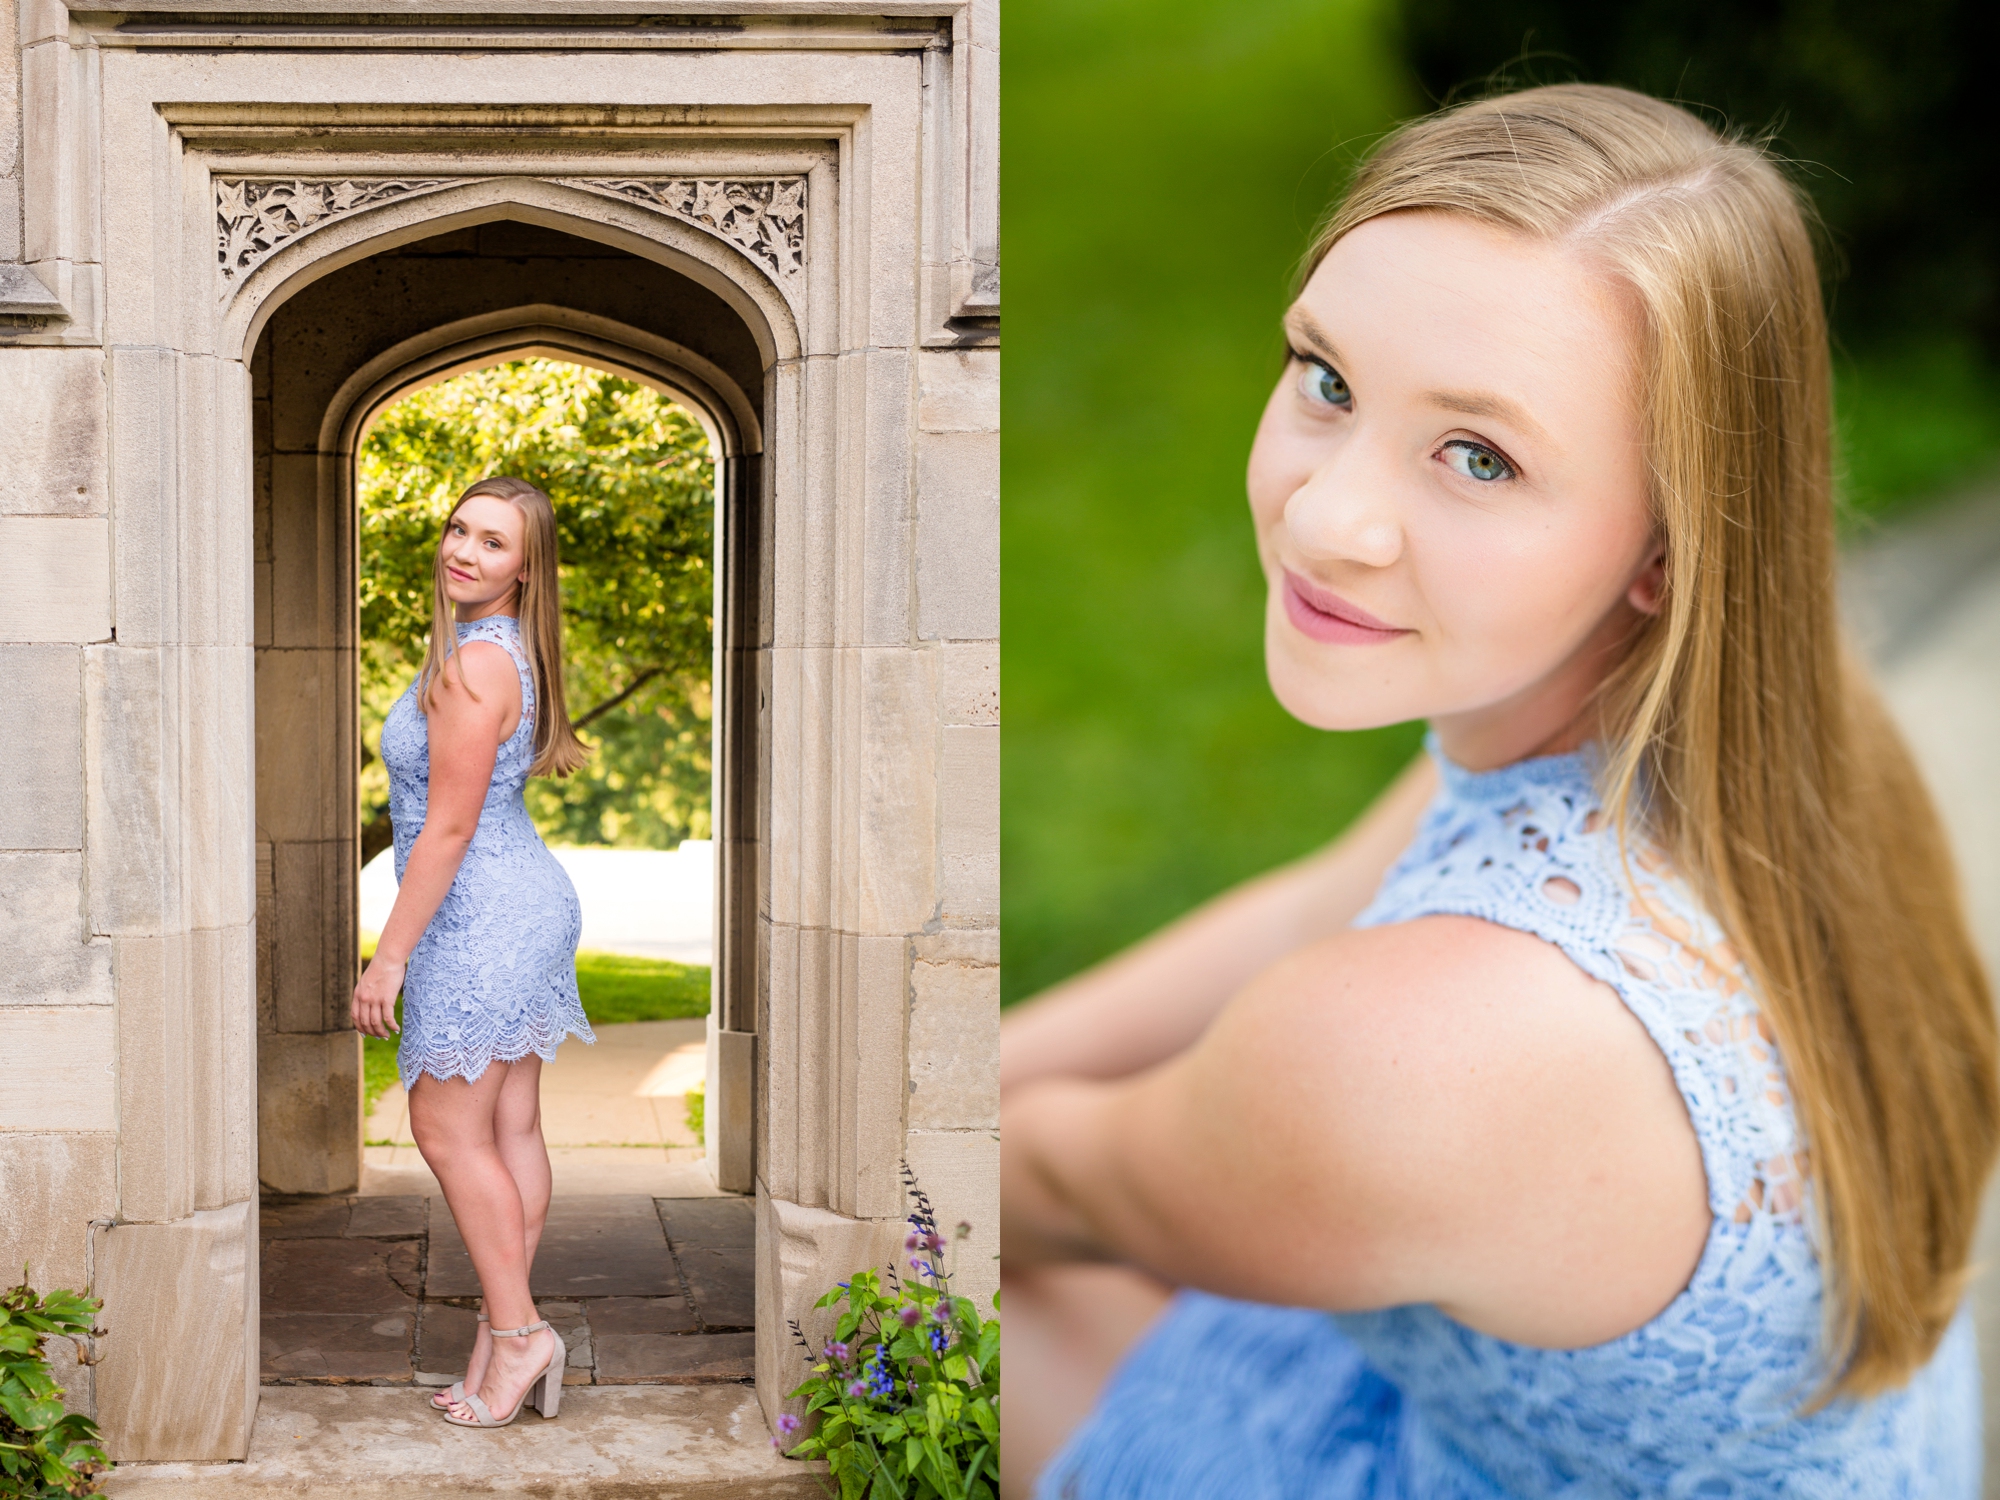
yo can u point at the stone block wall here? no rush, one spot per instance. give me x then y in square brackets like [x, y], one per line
[59, 1103]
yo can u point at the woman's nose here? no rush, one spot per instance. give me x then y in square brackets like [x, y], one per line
[1347, 510]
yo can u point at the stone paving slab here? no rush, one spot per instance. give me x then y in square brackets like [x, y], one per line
[642, 1315]
[668, 1359]
[715, 1240]
[360, 1347]
[600, 1245]
[338, 1275]
[397, 1306]
[607, 1443]
[389, 1218]
[713, 1223]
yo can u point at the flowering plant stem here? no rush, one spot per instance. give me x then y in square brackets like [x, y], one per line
[906, 1394]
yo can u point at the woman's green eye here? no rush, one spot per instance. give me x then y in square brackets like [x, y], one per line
[1477, 462]
[1322, 387]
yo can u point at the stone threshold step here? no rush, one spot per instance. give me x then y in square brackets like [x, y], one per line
[609, 1442]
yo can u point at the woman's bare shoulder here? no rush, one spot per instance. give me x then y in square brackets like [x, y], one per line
[1446, 1111]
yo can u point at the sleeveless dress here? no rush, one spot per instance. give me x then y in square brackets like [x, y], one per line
[494, 976]
[1229, 1400]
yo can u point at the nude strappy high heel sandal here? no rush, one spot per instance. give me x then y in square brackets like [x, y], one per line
[446, 1400]
[544, 1390]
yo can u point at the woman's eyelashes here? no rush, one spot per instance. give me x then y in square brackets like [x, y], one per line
[1321, 385]
[1476, 461]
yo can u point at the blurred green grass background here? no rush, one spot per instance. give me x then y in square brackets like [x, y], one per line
[1165, 163]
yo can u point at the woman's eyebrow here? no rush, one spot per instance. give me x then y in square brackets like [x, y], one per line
[1484, 404]
[1299, 324]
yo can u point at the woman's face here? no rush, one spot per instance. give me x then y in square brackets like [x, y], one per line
[1450, 488]
[483, 555]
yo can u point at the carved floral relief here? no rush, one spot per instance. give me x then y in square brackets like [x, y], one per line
[764, 217]
[254, 219]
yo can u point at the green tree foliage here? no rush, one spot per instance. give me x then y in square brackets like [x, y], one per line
[632, 481]
[1885, 109]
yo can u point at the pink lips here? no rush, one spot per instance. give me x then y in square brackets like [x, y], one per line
[1325, 616]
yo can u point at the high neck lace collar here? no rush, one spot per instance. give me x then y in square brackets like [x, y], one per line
[465, 625]
[1576, 768]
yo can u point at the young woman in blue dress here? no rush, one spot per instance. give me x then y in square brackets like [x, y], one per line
[482, 939]
[1624, 1133]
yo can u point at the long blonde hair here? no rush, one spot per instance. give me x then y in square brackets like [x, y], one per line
[1773, 779]
[557, 749]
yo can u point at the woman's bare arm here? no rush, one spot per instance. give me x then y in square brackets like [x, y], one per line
[465, 734]
[1442, 1111]
[1153, 1000]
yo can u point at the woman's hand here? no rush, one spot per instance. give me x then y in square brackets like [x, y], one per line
[375, 997]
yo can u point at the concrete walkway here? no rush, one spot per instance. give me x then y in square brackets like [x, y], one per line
[379, 1443]
[1925, 600]
[613, 1113]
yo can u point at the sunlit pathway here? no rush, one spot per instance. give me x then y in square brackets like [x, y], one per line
[614, 1115]
[1929, 597]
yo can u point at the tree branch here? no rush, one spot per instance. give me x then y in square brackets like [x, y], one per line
[610, 703]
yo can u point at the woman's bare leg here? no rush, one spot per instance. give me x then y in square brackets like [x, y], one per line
[455, 1126]
[1067, 1328]
[517, 1129]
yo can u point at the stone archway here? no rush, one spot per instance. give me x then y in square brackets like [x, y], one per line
[345, 346]
[867, 661]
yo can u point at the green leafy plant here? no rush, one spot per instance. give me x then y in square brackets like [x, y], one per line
[44, 1450]
[907, 1391]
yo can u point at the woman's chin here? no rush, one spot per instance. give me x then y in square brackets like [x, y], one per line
[1319, 702]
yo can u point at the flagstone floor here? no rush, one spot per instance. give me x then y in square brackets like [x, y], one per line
[379, 1290]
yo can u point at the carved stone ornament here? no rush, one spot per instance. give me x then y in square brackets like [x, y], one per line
[763, 217]
[255, 218]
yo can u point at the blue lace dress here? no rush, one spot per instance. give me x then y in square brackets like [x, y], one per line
[494, 976]
[1224, 1399]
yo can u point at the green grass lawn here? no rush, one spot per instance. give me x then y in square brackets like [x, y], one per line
[614, 987]
[1165, 163]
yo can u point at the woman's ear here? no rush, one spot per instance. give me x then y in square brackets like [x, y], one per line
[1649, 590]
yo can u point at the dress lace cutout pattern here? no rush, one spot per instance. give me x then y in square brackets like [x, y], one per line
[1227, 1398]
[494, 976]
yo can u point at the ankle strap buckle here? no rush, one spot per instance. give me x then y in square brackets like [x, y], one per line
[515, 1333]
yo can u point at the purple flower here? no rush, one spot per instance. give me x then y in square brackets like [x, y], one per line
[942, 1311]
[857, 1388]
[836, 1351]
[910, 1316]
[913, 1241]
[787, 1423]
[934, 1241]
[916, 1265]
